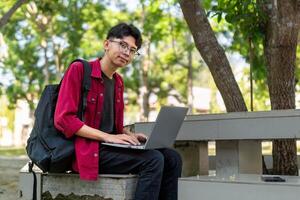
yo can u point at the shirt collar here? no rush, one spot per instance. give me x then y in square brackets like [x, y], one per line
[96, 68]
[97, 73]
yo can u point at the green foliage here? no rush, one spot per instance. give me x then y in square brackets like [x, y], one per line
[167, 35]
[245, 19]
[12, 151]
[244, 14]
[43, 37]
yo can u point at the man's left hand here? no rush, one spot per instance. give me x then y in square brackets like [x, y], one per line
[141, 137]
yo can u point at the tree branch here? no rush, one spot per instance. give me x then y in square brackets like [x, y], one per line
[11, 11]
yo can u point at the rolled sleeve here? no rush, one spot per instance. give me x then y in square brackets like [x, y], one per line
[65, 117]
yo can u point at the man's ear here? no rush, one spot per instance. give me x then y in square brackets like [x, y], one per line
[105, 45]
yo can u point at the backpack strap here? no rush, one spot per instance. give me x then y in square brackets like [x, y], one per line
[30, 170]
[85, 86]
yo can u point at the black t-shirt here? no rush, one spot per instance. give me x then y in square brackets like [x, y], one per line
[107, 119]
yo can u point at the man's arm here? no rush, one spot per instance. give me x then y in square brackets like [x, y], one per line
[95, 134]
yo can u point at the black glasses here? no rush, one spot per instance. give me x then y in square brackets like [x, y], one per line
[124, 47]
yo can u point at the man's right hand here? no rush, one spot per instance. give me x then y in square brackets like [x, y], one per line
[121, 139]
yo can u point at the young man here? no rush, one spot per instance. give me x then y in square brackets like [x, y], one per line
[159, 169]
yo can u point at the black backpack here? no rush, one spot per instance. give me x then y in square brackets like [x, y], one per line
[47, 147]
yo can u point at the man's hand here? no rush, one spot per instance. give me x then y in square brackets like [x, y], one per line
[141, 137]
[121, 139]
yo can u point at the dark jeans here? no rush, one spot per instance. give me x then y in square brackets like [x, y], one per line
[158, 170]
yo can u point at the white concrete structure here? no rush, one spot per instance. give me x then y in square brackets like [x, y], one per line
[116, 187]
[21, 124]
[243, 186]
[6, 136]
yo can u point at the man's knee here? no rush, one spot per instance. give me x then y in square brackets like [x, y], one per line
[177, 158]
[172, 159]
[155, 160]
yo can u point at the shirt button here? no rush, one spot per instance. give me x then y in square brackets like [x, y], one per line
[98, 113]
[93, 99]
[95, 155]
[101, 94]
[118, 100]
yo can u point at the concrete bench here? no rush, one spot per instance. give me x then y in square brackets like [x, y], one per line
[242, 186]
[69, 186]
[238, 159]
[238, 139]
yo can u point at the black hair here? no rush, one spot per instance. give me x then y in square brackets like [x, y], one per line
[121, 30]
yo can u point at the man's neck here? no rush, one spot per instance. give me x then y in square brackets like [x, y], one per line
[107, 67]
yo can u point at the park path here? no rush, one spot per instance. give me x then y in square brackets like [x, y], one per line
[9, 176]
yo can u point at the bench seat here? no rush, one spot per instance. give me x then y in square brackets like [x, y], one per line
[242, 186]
[51, 186]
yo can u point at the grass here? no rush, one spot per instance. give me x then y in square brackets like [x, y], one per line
[11, 151]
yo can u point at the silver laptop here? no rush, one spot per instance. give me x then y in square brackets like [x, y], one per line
[165, 130]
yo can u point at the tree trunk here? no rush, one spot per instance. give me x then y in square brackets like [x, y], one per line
[190, 77]
[213, 54]
[280, 54]
[11, 11]
[251, 59]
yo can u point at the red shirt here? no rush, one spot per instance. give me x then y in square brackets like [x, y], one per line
[86, 150]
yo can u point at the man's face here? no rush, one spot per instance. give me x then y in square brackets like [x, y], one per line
[121, 52]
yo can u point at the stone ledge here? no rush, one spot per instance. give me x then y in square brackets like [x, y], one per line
[108, 186]
[53, 186]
